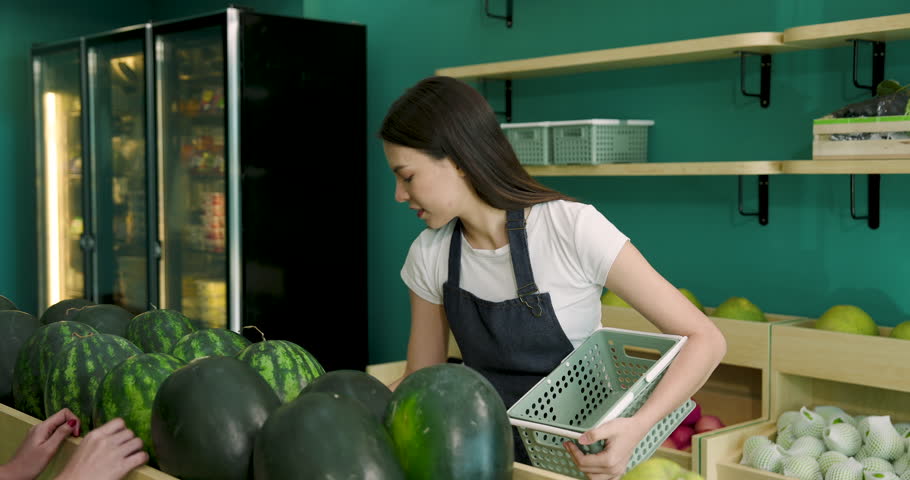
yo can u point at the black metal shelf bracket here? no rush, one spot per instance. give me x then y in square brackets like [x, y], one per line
[878, 63]
[874, 195]
[765, 92]
[508, 94]
[507, 17]
[762, 212]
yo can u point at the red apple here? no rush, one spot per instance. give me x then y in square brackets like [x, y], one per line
[668, 443]
[682, 436]
[693, 416]
[707, 423]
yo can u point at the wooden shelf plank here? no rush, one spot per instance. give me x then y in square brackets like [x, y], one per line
[785, 167]
[838, 34]
[827, 167]
[658, 169]
[668, 53]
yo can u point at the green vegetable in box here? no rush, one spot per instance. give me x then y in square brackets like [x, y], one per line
[209, 342]
[286, 366]
[157, 331]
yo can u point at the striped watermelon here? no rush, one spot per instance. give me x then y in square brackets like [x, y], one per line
[63, 310]
[35, 360]
[78, 370]
[128, 392]
[208, 343]
[157, 331]
[286, 366]
[15, 329]
[106, 318]
[7, 304]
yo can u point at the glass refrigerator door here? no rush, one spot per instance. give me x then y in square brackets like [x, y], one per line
[117, 112]
[58, 113]
[190, 76]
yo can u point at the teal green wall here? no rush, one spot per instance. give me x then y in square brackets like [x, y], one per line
[23, 23]
[810, 256]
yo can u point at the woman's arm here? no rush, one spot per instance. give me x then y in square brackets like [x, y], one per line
[429, 341]
[633, 279]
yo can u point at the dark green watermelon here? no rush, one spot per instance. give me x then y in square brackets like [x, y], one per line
[157, 331]
[320, 436]
[79, 368]
[442, 417]
[15, 329]
[36, 358]
[206, 416]
[286, 366]
[106, 318]
[7, 304]
[129, 390]
[354, 385]
[63, 310]
[209, 342]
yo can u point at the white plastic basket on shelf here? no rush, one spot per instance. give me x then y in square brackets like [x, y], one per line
[600, 140]
[531, 141]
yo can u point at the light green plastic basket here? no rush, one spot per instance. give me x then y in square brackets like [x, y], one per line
[598, 141]
[531, 141]
[608, 376]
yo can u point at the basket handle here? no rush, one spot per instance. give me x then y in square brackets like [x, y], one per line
[546, 428]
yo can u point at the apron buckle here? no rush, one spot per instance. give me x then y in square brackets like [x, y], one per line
[538, 311]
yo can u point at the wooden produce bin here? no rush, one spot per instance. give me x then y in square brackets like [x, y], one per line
[876, 147]
[738, 392]
[863, 375]
[14, 425]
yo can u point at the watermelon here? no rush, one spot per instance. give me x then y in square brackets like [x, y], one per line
[447, 422]
[15, 329]
[129, 389]
[7, 304]
[354, 385]
[35, 360]
[209, 342]
[286, 366]
[63, 310]
[105, 318]
[157, 331]
[206, 416]
[320, 436]
[79, 368]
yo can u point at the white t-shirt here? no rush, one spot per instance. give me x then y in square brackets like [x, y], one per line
[571, 246]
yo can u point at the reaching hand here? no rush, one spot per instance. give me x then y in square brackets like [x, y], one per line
[621, 436]
[108, 452]
[41, 443]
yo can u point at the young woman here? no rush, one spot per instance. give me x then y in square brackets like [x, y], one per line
[108, 452]
[516, 269]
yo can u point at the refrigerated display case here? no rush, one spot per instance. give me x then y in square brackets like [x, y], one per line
[210, 142]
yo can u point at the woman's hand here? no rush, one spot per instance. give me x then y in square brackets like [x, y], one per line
[621, 436]
[108, 452]
[40, 444]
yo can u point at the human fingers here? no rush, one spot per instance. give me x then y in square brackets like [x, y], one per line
[120, 437]
[59, 435]
[132, 462]
[111, 427]
[45, 429]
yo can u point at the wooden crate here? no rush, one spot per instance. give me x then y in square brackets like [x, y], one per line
[863, 375]
[14, 425]
[823, 148]
[738, 392]
[388, 372]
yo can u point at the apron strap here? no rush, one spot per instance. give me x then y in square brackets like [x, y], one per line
[521, 261]
[455, 255]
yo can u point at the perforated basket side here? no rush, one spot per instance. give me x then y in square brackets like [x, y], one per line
[621, 144]
[530, 143]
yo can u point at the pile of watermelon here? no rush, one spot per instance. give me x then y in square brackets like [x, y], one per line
[210, 404]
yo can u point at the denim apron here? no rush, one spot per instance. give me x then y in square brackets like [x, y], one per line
[513, 343]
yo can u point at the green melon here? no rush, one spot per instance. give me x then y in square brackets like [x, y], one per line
[157, 331]
[739, 308]
[441, 417]
[206, 416]
[354, 385]
[209, 342]
[79, 368]
[105, 318]
[63, 310]
[15, 329]
[129, 390]
[286, 366]
[7, 304]
[35, 360]
[304, 438]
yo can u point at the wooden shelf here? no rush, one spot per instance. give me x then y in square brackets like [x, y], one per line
[668, 53]
[839, 34]
[787, 167]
